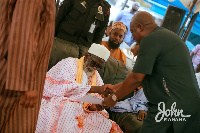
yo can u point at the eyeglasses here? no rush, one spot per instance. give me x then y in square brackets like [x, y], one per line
[95, 64]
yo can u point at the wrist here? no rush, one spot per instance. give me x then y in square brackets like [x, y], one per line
[96, 89]
[114, 98]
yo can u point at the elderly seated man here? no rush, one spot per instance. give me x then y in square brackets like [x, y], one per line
[130, 113]
[65, 83]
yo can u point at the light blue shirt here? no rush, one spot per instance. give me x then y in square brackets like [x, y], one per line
[133, 104]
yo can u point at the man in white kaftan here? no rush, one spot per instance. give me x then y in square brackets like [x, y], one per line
[60, 111]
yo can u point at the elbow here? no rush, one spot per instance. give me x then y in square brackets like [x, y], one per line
[138, 77]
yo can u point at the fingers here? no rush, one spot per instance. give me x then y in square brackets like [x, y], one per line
[28, 99]
[141, 115]
[107, 92]
[93, 107]
[105, 106]
[108, 102]
[99, 107]
[32, 103]
[22, 100]
[27, 102]
[96, 107]
[106, 86]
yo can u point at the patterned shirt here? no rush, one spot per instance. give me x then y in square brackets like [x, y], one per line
[133, 104]
[60, 111]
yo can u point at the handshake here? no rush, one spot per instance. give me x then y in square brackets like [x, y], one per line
[104, 91]
[107, 91]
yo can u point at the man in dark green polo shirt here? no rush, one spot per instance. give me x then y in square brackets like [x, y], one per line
[164, 68]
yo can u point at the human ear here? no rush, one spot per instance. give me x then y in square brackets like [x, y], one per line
[141, 27]
[86, 56]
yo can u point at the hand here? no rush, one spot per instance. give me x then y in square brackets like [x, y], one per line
[107, 92]
[104, 92]
[111, 87]
[108, 102]
[96, 107]
[141, 115]
[29, 99]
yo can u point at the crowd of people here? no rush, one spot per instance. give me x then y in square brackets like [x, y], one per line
[143, 74]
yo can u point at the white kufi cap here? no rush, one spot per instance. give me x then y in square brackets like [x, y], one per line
[100, 51]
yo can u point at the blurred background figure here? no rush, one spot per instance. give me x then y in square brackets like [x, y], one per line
[195, 55]
[131, 55]
[197, 73]
[125, 16]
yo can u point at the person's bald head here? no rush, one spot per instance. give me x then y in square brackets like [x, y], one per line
[141, 25]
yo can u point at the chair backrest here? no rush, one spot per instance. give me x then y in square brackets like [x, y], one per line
[113, 72]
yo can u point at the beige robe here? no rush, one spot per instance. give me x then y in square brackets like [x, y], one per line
[26, 38]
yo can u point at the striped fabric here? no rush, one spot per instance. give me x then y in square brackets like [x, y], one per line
[26, 38]
[60, 111]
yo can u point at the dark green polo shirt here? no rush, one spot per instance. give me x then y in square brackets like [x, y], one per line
[165, 60]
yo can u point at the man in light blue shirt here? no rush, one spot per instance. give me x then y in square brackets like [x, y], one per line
[125, 17]
[129, 113]
[133, 104]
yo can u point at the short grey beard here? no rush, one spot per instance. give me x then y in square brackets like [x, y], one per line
[89, 74]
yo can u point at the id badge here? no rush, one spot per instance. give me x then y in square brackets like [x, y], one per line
[92, 27]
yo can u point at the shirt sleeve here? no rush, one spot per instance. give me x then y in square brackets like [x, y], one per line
[60, 81]
[24, 42]
[139, 101]
[147, 55]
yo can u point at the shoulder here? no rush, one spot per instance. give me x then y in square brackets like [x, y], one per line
[106, 7]
[153, 36]
[68, 62]
[106, 4]
[65, 64]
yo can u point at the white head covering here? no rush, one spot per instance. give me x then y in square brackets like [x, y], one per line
[100, 51]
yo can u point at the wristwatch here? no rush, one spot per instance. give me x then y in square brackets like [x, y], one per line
[114, 97]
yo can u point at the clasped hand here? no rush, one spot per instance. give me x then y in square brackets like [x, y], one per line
[108, 102]
[29, 99]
